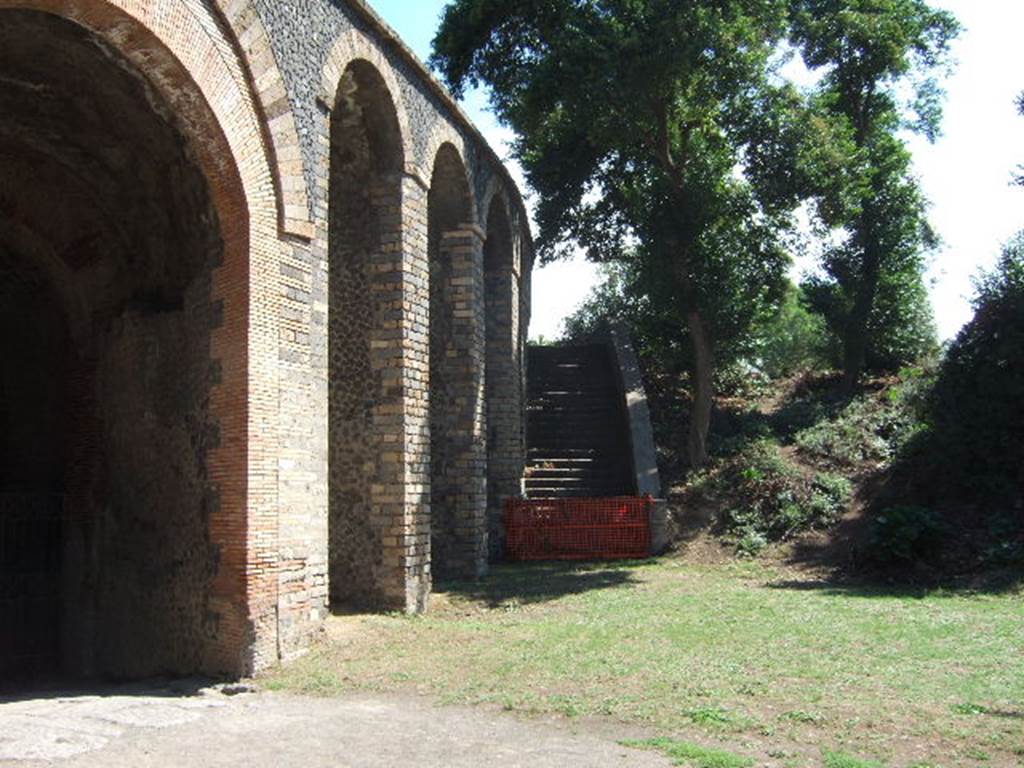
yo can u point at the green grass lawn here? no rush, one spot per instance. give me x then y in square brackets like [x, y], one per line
[744, 657]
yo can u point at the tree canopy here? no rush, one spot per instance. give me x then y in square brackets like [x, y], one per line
[879, 61]
[651, 130]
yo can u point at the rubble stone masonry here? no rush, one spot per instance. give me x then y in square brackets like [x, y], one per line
[271, 338]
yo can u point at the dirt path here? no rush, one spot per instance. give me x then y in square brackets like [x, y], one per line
[159, 728]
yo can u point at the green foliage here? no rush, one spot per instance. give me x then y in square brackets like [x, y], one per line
[613, 298]
[1006, 532]
[969, 709]
[902, 535]
[694, 755]
[868, 204]
[843, 760]
[829, 493]
[654, 132]
[770, 499]
[869, 429]
[780, 343]
[901, 326]
[792, 339]
[1019, 178]
[750, 542]
[974, 449]
[712, 716]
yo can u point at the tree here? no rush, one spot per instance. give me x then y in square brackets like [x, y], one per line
[871, 52]
[1019, 178]
[784, 340]
[792, 340]
[653, 130]
[901, 329]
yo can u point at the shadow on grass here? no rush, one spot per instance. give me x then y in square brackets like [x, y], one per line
[542, 582]
[900, 586]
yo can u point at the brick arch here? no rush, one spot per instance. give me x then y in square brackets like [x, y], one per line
[353, 45]
[175, 45]
[444, 135]
[497, 214]
[252, 42]
[502, 296]
[495, 194]
[458, 481]
[363, 190]
[448, 167]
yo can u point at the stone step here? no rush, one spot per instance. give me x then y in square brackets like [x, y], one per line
[576, 433]
[576, 493]
[537, 471]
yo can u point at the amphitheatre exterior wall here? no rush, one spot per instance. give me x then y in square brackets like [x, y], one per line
[252, 88]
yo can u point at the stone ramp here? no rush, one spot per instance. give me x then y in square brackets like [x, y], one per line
[160, 729]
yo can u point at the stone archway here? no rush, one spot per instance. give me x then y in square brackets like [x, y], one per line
[458, 497]
[145, 196]
[366, 164]
[504, 401]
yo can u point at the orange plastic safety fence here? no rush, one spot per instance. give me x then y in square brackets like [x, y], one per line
[578, 529]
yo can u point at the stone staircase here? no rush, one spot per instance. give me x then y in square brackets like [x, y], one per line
[577, 436]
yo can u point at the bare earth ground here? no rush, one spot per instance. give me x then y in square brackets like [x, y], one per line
[162, 727]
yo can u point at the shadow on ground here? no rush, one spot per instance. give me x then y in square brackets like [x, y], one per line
[542, 582]
[36, 689]
[904, 587]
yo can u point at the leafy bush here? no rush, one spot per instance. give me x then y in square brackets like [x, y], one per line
[769, 499]
[977, 408]
[829, 494]
[902, 535]
[1006, 532]
[750, 542]
[791, 340]
[872, 428]
[901, 328]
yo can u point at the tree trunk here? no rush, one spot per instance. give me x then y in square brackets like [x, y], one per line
[855, 338]
[702, 381]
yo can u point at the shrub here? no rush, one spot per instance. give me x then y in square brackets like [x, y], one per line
[829, 495]
[902, 535]
[750, 542]
[769, 499]
[872, 428]
[792, 339]
[977, 408]
[1006, 532]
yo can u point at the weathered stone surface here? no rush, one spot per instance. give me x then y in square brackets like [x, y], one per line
[154, 727]
[262, 331]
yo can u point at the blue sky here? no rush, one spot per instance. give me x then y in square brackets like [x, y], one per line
[966, 174]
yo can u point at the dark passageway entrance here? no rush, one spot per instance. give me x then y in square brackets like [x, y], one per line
[32, 414]
[107, 242]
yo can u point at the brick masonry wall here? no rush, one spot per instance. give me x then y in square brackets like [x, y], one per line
[290, 513]
[505, 438]
[314, 43]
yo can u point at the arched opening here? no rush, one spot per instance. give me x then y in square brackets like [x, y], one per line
[108, 241]
[504, 403]
[458, 495]
[366, 162]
